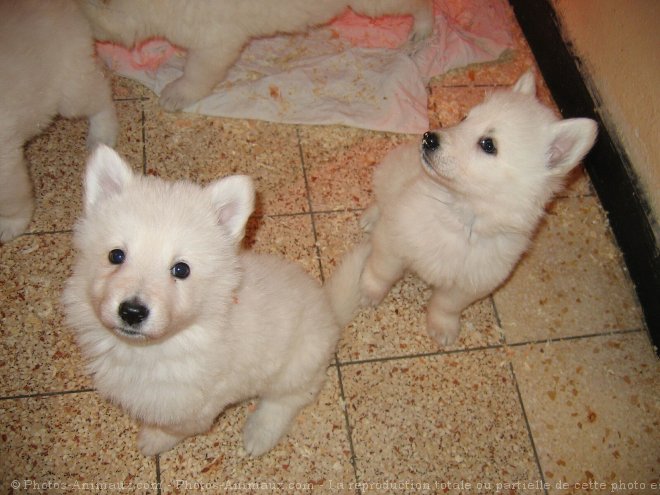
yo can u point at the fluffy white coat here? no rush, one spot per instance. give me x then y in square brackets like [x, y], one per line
[461, 209]
[215, 31]
[174, 345]
[48, 68]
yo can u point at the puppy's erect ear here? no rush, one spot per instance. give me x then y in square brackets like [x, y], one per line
[526, 84]
[233, 201]
[571, 140]
[107, 174]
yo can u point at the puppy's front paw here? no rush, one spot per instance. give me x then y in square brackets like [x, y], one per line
[369, 218]
[443, 329]
[180, 94]
[152, 440]
[265, 427]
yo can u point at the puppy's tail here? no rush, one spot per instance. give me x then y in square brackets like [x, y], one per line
[343, 287]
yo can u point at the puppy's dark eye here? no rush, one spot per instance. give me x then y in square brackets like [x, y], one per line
[116, 256]
[181, 270]
[488, 145]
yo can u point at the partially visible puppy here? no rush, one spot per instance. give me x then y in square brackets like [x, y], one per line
[48, 68]
[215, 31]
[460, 209]
[177, 324]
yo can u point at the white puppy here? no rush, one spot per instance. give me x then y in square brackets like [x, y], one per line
[215, 31]
[460, 209]
[177, 324]
[48, 67]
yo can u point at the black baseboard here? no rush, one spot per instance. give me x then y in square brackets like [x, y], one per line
[607, 166]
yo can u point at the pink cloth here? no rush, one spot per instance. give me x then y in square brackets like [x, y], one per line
[355, 71]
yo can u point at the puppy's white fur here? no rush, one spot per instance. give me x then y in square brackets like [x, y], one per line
[48, 67]
[461, 217]
[240, 325]
[215, 31]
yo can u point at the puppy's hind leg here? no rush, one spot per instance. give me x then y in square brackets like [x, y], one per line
[381, 271]
[89, 96]
[16, 201]
[205, 67]
[444, 313]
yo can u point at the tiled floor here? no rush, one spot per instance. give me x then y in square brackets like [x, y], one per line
[553, 382]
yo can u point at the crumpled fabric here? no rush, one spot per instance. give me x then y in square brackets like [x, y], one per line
[355, 71]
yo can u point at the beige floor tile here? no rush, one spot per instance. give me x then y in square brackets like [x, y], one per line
[74, 443]
[397, 327]
[315, 454]
[38, 354]
[339, 163]
[288, 236]
[57, 163]
[571, 282]
[442, 420]
[593, 405]
[202, 149]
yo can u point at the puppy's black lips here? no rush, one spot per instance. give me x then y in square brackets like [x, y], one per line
[128, 332]
[426, 161]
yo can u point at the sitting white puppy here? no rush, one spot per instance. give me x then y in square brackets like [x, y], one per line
[460, 209]
[48, 68]
[215, 31]
[176, 323]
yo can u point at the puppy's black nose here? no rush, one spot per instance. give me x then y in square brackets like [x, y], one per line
[430, 141]
[133, 312]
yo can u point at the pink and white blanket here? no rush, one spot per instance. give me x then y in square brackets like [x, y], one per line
[355, 71]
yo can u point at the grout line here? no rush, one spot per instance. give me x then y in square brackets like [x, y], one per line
[349, 430]
[159, 489]
[309, 206]
[529, 429]
[419, 355]
[47, 394]
[575, 337]
[502, 345]
[144, 140]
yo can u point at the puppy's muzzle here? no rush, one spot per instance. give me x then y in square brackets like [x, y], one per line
[133, 312]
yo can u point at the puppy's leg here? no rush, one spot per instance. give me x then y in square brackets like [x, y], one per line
[205, 67]
[381, 271]
[444, 313]
[154, 440]
[273, 417]
[16, 201]
[89, 95]
[369, 218]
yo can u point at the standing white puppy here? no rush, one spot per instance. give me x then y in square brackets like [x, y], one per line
[215, 31]
[460, 209]
[177, 324]
[48, 68]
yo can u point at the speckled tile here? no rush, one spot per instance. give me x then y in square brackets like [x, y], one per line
[202, 149]
[57, 163]
[397, 327]
[571, 282]
[314, 455]
[593, 406]
[288, 236]
[37, 352]
[74, 443]
[339, 162]
[444, 421]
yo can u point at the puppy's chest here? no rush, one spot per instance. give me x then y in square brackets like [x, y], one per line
[444, 245]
